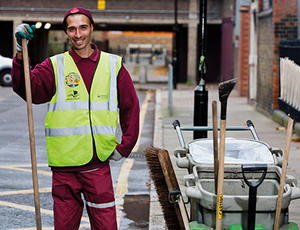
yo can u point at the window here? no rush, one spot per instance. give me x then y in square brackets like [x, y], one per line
[267, 4]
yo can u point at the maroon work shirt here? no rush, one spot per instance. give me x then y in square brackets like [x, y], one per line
[43, 89]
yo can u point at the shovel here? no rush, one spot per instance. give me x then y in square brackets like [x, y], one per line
[225, 89]
[253, 185]
[31, 136]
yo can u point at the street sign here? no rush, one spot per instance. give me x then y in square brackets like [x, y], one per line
[101, 4]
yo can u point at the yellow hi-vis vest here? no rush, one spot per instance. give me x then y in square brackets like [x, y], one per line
[76, 118]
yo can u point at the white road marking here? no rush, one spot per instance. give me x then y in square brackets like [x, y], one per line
[27, 168]
[32, 209]
[43, 172]
[25, 191]
[22, 166]
[122, 187]
[142, 117]
[24, 207]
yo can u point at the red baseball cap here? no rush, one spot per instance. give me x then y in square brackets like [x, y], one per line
[78, 10]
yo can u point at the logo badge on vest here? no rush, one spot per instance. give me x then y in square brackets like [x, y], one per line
[75, 93]
[72, 79]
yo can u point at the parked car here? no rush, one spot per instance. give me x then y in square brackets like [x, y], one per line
[5, 69]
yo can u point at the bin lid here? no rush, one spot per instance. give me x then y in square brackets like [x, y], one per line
[236, 152]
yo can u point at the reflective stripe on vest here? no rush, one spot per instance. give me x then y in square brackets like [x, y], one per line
[75, 118]
[82, 105]
[113, 84]
[83, 130]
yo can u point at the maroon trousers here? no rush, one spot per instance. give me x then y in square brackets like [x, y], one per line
[97, 189]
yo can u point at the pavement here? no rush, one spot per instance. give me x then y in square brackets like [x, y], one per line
[238, 112]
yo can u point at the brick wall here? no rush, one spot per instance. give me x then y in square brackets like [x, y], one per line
[147, 4]
[265, 62]
[280, 24]
[243, 56]
[154, 38]
[285, 27]
[92, 4]
[135, 11]
[123, 39]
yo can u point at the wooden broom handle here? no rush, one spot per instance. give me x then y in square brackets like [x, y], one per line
[221, 175]
[31, 136]
[283, 173]
[215, 142]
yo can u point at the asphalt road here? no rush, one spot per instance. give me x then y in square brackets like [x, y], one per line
[130, 176]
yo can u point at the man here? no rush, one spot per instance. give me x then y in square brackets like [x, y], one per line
[88, 91]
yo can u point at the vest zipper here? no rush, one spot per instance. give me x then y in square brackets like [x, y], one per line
[90, 116]
[94, 144]
[91, 125]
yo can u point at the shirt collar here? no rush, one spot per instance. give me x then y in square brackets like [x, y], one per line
[93, 57]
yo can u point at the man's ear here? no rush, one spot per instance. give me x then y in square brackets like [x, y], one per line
[92, 27]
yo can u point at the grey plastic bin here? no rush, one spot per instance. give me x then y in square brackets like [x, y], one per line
[200, 187]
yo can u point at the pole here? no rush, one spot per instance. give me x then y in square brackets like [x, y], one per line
[200, 92]
[31, 136]
[202, 37]
[175, 48]
[170, 89]
[298, 19]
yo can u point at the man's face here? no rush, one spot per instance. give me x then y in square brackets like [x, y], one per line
[79, 30]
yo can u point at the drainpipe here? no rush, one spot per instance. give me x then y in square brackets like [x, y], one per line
[175, 48]
[298, 19]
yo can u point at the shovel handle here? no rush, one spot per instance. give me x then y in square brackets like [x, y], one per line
[254, 168]
[31, 135]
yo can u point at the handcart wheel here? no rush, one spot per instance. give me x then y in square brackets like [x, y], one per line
[253, 185]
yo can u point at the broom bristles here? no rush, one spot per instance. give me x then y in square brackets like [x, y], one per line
[161, 187]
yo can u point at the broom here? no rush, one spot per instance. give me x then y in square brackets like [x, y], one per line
[166, 184]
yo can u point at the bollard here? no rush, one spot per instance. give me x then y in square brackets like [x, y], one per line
[143, 74]
[200, 109]
[170, 89]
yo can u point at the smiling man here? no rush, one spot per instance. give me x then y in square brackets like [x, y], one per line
[88, 93]
[79, 28]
